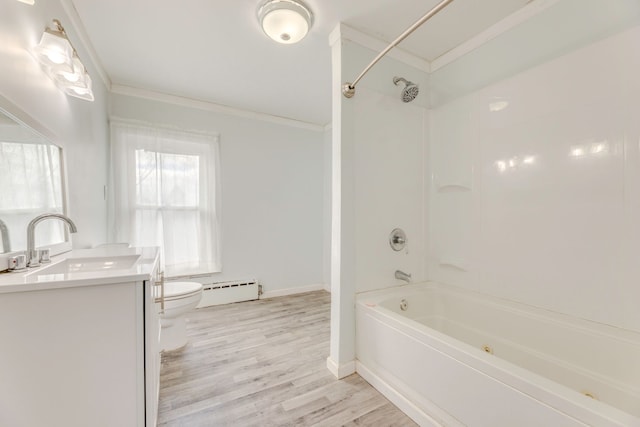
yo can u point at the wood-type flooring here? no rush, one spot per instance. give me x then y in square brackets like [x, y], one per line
[263, 363]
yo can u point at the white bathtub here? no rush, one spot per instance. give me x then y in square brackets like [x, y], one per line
[546, 369]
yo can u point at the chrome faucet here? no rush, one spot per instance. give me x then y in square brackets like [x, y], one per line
[6, 242]
[32, 255]
[401, 275]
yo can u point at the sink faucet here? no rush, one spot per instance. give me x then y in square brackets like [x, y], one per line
[6, 242]
[401, 275]
[32, 255]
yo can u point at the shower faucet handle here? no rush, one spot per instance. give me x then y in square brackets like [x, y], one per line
[397, 239]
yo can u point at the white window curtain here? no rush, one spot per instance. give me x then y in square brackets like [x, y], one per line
[31, 184]
[165, 192]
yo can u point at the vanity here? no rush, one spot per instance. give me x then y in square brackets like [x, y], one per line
[79, 340]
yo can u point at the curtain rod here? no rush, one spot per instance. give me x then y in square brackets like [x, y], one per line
[349, 89]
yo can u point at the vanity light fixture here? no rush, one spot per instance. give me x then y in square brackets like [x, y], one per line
[54, 49]
[61, 63]
[285, 21]
[29, 2]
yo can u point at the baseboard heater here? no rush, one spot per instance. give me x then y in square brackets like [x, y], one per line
[227, 292]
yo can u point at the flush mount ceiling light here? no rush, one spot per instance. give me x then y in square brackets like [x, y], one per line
[285, 21]
[61, 63]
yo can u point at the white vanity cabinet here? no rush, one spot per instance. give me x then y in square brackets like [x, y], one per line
[152, 349]
[80, 353]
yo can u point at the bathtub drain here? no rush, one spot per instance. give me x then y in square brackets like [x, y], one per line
[404, 305]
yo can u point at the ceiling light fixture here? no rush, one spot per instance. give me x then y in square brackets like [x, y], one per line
[61, 63]
[285, 21]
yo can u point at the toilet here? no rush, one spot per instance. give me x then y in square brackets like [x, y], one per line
[179, 299]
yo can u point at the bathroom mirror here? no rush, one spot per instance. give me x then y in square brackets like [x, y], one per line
[31, 183]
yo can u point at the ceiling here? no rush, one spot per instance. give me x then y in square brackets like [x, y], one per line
[215, 51]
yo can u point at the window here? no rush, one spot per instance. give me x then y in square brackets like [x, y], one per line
[164, 193]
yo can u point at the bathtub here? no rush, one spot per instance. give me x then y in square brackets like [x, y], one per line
[449, 357]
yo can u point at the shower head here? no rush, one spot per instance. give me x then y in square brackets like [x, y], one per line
[410, 90]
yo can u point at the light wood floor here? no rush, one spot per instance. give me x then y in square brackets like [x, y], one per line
[263, 363]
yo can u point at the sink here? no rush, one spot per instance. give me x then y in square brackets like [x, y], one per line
[89, 265]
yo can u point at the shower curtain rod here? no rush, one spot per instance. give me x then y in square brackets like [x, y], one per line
[349, 89]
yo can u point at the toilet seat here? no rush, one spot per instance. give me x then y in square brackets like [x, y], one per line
[179, 290]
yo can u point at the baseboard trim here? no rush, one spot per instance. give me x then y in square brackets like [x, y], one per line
[341, 371]
[292, 291]
[405, 405]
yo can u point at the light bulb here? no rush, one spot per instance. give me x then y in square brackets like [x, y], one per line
[54, 50]
[56, 57]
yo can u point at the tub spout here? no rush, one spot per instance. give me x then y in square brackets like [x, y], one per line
[401, 275]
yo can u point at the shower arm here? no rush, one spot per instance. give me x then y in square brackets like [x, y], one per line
[349, 89]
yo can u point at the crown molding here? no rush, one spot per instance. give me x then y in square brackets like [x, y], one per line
[212, 107]
[81, 33]
[344, 32]
[531, 9]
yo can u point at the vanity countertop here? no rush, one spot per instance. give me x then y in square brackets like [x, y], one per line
[85, 267]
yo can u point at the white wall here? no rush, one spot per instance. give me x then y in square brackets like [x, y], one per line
[80, 127]
[272, 191]
[326, 212]
[539, 202]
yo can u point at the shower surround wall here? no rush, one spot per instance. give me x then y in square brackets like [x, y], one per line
[536, 185]
[532, 195]
[389, 154]
[379, 171]
[532, 179]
